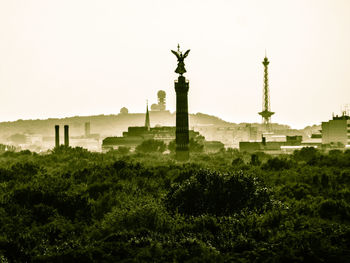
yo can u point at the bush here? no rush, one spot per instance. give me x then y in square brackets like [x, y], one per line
[72, 205]
[334, 209]
[277, 164]
[208, 192]
[307, 154]
[149, 146]
[193, 146]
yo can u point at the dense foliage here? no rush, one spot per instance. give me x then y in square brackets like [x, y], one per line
[194, 145]
[72, 205]
[213, 193]
[149, 146]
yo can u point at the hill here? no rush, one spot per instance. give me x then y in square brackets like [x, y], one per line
[212, 127]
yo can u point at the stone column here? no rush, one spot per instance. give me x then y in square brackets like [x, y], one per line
[182, 133]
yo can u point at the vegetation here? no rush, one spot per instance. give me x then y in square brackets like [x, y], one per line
[151, 145]
[195, 145]
[72, 205]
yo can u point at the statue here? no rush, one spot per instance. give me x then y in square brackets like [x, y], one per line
[180, 60]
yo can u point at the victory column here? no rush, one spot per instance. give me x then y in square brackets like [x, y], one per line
[181, 89]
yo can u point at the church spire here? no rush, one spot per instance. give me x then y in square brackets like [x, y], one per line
[147, 122]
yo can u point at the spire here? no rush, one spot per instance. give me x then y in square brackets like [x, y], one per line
[147, 122]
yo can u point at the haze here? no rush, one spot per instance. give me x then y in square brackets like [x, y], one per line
[66, 58]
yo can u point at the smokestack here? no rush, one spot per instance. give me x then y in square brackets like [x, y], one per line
[57, 136]
[87, 129]
[66, 135]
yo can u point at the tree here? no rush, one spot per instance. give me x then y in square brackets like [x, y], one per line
[211, 192]
[124, 110]
[307, 154]
[123, 150]
[151, 145]
[172, 146]
[194, 146]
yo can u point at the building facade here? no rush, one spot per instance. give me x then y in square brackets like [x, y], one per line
[336, 131]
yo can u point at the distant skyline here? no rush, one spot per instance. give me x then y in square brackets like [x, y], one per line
[82, 57]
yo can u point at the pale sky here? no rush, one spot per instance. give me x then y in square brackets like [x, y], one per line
[61, 58]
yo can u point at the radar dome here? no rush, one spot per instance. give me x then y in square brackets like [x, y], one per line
[161, 100]
[124, 110]
[161, 94]
[154, 107]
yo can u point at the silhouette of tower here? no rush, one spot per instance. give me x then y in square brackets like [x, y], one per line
[266, 113]
[57, 136]
[147, 122]
[87, 129]
[66, 135]
[181, 89]
[161, 100]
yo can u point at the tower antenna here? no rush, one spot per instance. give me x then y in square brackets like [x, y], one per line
[266, 113]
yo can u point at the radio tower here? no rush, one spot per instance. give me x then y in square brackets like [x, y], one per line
[266, 113]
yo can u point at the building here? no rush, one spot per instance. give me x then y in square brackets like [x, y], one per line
[136, 135]
[336, 132]
[288, 145]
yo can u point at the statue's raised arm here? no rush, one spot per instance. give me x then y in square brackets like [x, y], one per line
[180, 60]
[186, 53]
[176, 54]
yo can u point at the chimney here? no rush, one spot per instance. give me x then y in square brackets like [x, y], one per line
[57, 136]
[87, 129]
[66, 135]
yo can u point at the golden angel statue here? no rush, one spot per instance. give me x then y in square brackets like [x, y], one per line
[180, 60]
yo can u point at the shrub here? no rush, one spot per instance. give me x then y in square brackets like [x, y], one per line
[149, 146]
[334, 209]
[277, 164]
[218, 194]
[193, 146]
[307, 154]
[123, 150]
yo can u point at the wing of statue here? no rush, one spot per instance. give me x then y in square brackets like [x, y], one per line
[186, 53]
[176, 54]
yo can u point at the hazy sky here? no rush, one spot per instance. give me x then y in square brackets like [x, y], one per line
[63, 58]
